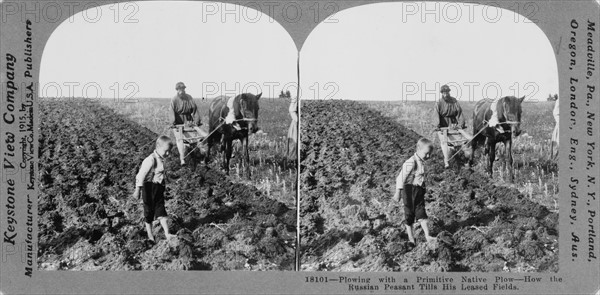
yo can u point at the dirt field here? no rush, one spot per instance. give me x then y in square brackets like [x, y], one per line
[536, 174]
[350, 156]
[89, 156]
[272, 173]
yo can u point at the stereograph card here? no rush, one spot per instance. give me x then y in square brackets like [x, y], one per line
[299, 147]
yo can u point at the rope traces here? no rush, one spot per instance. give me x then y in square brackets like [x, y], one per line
[206, 138]
[469, 141]
[481, 130]
[211, 133]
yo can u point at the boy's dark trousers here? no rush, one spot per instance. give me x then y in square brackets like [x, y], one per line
[153, 195]
[414, 203]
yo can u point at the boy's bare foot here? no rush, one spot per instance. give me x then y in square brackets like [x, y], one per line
[170, 236]
[151, 238]
[430, 239]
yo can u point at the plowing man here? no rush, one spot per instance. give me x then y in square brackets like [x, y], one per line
[184, 112]
[449, 116]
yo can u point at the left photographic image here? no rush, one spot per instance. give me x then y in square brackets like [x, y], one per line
[167, 140]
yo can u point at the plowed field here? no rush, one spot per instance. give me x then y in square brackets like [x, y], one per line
[350, 156]
[88, 220]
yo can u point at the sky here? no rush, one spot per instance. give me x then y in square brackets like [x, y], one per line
[384, 51]
[395, 51]
[170, 42]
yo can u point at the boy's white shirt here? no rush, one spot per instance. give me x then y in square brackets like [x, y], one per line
[408, 169]
[146, 167]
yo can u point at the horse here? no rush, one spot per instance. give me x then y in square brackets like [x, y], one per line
[246, 107]
[509, 118]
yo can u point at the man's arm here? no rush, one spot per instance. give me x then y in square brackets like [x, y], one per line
[436, 115]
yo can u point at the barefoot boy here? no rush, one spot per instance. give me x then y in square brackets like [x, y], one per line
[410, 185]
[150, 185]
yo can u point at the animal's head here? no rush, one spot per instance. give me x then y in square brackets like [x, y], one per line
[249, 109]
[512, 113]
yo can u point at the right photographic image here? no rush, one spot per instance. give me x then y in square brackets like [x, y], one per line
[429, 141]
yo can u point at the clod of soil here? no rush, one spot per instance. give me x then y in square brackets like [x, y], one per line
[88, 220]
[350, 157]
